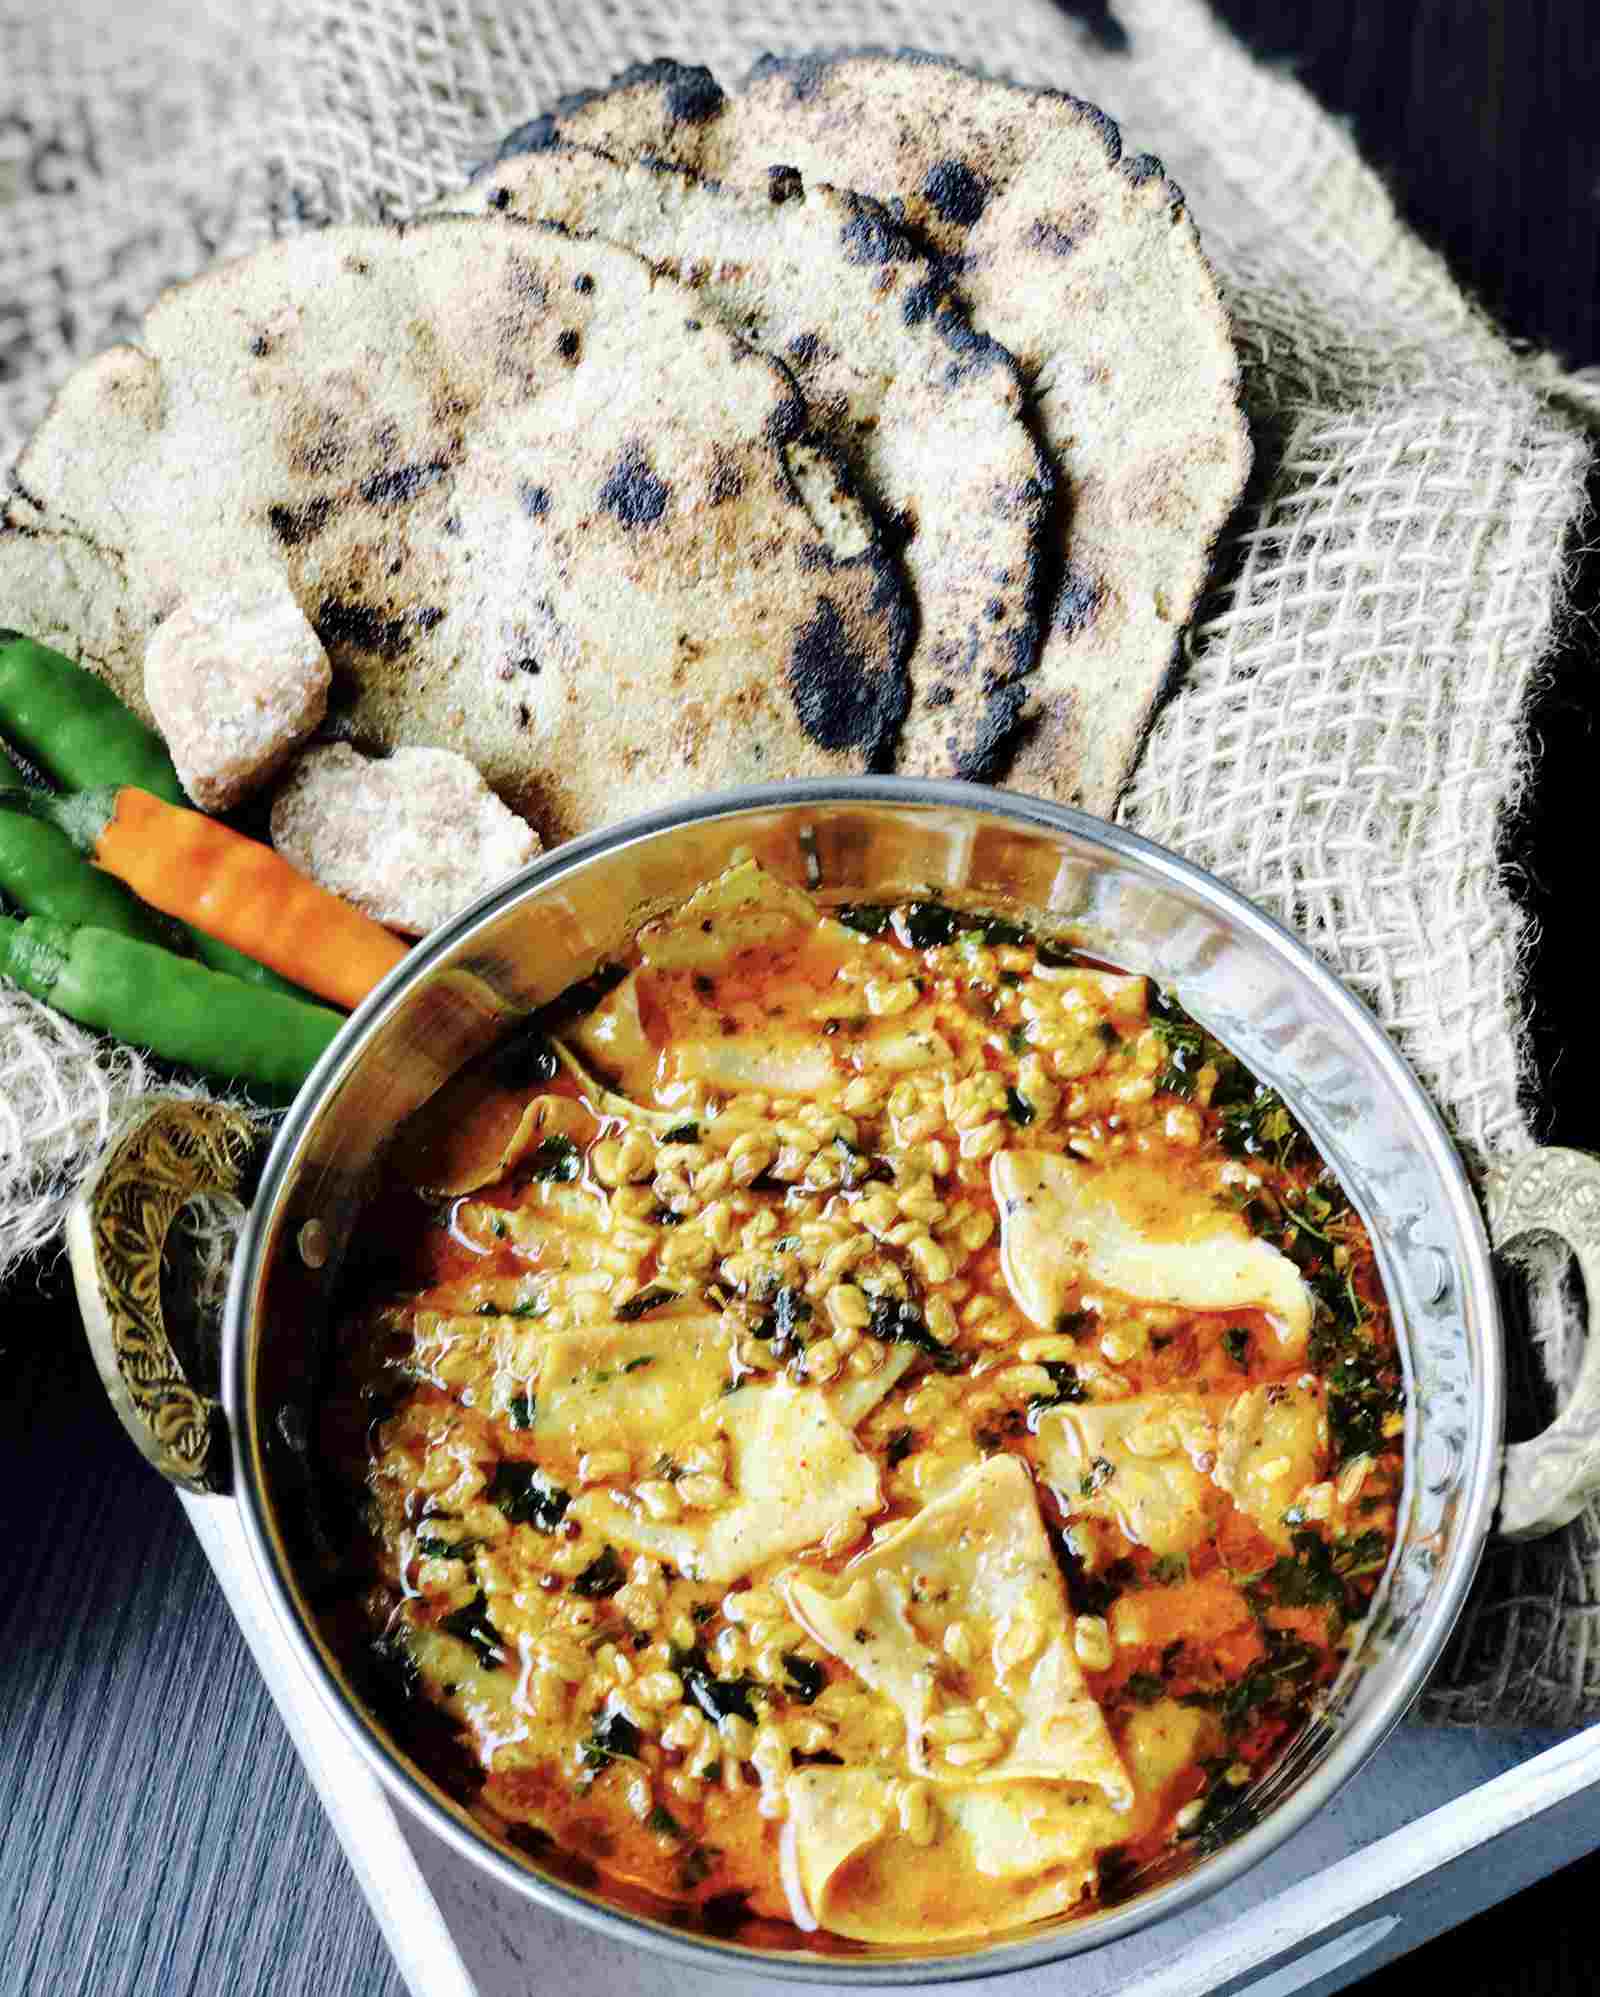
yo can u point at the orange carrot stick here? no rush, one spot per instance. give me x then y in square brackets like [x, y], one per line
[233, 888]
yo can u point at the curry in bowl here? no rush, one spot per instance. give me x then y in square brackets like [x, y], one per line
[875, 1422]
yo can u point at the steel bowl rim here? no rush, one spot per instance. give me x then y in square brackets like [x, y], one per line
[1351, 1748]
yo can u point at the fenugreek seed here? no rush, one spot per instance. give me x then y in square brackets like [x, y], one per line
[810, 1735]
[865, 1358]
[932, 1262]
[622, 1667]
[973, 1753]
[999, 1715]
[603, 1466]
[730, 1650]
[985, 1141]
[862, 1096]
[823, 1360]
[1118, 1347]
[1021, 1383]
[958, 1645]
[660, 1689]
[1151, 1437]
[1053, 1346]
[708, 1458]
[659, 1499]
[685, 1729]
[843, 1535]
[842, 1258]
[1091, 1639]
[1019, 1641]
[954, 1723]
[940, 1318]
[1352, 1477]
[751, 1605]
[915, 1809]
[686, 1787]
[888, 996]
[635, 1157]
[605, 1162]
[771, 1753]
[738, 1735]
[703, 1493]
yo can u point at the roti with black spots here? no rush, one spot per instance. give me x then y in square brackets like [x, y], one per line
[536, 506]
[1086, 266]
[927, 413]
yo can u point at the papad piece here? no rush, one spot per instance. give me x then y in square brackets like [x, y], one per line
[534, 505]
[1000, 1858]
[926, 412]
[979, 1553]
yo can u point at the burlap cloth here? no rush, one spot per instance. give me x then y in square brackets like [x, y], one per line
[1350, 738]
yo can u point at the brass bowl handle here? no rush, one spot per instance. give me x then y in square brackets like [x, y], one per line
[168, 1153]
[1550, 1479]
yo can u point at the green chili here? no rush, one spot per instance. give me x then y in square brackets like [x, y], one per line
[76, 729]
[178, 1009]
[73, 725]
[43, 873]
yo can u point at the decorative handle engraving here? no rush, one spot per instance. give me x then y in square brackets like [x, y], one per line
[169, 1153]
[1549, 1480]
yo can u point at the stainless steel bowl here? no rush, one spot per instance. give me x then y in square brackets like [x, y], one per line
[1238, 971]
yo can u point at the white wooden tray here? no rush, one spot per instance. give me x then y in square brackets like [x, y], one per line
[1440, 1825]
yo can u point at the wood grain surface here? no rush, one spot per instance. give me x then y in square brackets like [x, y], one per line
[156, 1834]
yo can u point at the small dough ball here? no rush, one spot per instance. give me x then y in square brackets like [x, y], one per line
[410, 839]
[236, 682]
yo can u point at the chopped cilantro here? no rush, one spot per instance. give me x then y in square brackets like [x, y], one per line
[1109, 1034]
[665, 1217]
[472, 1625]
[1065, 1386]
[699, 1862]
[603, 1576]
[1017, 1040]
[1100, 1474]
[926, 924]
[703, 1612]
[682, 1133]
[663, 1823]
[613, 1734]
[1018, 1108]
[783, 1321]
[557, 1158]
[806, 1679]
[1144, 1688]
[897, 1321]
[642, 1301]
[901, 1443]
[446, 1549]
[527, 1496]
[521, 1409]
[638, 1365]
[867, 918]
[1056, 956]
[524, 1059]
[1317, 1575]
[716, 1697]
[1225, 1815]
[1236, 1343]
[1169, 1568]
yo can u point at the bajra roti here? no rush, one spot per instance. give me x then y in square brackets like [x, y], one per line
[535, 505]
[1081, 262]
[927, 413]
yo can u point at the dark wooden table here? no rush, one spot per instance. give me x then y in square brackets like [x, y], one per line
[156, 1833]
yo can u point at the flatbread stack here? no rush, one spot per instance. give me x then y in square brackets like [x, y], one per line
[871, 416]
